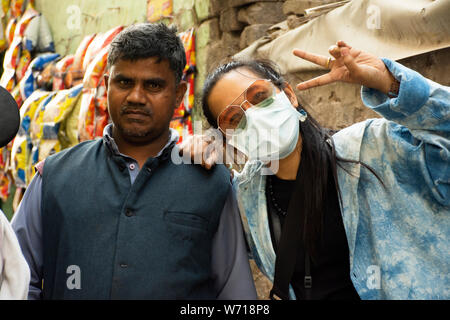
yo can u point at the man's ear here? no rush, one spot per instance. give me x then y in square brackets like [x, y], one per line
[291, 94]
[180, 92]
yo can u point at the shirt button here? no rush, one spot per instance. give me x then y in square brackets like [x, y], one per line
[132, 166]
[123, 265]
[129, 213]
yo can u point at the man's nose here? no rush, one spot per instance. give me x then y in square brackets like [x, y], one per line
[136, 95]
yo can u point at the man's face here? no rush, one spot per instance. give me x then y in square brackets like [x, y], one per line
[142, 96]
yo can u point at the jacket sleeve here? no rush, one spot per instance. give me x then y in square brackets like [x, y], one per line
[421, 104]
[232, 275]
[421, 112]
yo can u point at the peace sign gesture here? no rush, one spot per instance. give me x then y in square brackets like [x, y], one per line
[349, 65]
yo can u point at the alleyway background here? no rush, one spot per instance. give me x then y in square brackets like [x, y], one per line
[223, 28]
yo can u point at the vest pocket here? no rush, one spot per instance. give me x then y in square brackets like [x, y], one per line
[186, 225]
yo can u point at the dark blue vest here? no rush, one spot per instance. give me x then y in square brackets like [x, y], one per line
[149, 240]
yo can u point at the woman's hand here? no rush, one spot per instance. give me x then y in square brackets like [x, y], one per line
[201, 150]
[349, 65]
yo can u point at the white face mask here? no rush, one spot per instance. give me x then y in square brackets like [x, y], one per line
[271, 132]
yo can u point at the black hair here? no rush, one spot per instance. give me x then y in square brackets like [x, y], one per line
[145, 40]
[318, 157]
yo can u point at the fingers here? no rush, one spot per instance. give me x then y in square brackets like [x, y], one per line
[316, 82]
[211, 159]
[314, 58]
[335, 51]
[211, 154]
[342, 49]
[197, 148]
[185, 145]
[341, 54]
[341, 44]
[349, 62]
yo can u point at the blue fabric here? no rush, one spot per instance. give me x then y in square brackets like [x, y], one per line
[397, 234]
[37, 64]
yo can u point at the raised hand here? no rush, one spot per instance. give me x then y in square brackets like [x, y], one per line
[349, 65]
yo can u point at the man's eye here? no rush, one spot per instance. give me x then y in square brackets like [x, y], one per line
[124, 82]
[153, 85]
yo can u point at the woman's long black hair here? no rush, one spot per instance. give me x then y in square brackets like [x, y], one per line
[318, 157]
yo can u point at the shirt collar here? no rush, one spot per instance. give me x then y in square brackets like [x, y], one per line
[111, 144]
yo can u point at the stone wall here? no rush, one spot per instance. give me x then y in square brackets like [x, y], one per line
[223, 28]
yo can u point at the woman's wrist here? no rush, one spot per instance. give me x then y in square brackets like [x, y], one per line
[394, 89]
[391, 86]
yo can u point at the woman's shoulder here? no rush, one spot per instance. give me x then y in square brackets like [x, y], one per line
[348, 141]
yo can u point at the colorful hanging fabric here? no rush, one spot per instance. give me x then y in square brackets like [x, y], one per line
[182, 118]
[93, 116]
[22, 146]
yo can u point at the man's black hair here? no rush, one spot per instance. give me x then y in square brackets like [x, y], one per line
[145, 40]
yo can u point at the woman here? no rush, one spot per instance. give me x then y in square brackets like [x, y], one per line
[364, 213]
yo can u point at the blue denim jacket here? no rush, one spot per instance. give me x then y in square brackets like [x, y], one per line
[398, 235]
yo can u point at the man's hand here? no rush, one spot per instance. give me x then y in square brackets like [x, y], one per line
[349, 65]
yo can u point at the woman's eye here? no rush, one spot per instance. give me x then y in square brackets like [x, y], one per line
[235, 118]
[258, 97]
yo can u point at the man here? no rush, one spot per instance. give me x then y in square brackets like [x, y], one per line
[14, 271]
[116, 218]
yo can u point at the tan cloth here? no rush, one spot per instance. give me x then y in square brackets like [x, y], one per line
[14, 271]
[385, 28]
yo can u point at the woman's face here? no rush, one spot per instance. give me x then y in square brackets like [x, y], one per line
[229, 90]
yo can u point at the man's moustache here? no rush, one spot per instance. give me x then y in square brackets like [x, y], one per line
[135, 109]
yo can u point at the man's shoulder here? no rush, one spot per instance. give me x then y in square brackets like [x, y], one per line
[68, 154]
[81, 147]
[214, 177]
[217, 171]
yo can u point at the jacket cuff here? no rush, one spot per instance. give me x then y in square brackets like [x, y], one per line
[413, 93]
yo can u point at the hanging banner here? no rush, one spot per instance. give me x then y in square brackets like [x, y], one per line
[182, 119]
[158, 9]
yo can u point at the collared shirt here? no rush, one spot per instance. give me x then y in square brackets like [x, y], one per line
[230, 267]
[132, 164]
[398, 234]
